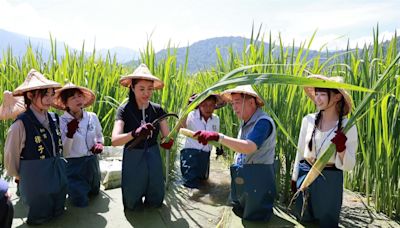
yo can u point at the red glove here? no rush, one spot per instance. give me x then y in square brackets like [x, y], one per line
[143, 131]
[72, 126]
[204, 136]
[340, 141]
[167, 145]
[16, 181]
[293, 186]
[97, 148]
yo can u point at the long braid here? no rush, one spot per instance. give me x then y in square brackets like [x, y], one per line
[317, 119]
[341, 111]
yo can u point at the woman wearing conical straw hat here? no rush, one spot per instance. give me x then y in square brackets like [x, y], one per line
[82, 138]
[252, 174]
[318, 131]
[142, 174]
[33, 151]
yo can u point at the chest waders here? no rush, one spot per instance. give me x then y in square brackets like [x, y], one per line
[142, 176]
[83, 179]
[324, 196]
[195, 166]
[253, 181]
[43, 183]
[253, 191]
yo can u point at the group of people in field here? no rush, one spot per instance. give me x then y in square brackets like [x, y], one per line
[53, 156]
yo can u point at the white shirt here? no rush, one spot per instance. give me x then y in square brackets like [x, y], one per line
[88, 133]
[195, 122]
[322, 142]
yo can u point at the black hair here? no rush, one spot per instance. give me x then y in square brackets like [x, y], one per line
[211, 97]
[319, 114]
[68, 93]
[38, 92]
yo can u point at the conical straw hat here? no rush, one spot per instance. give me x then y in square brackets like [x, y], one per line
[142, 72]
[12, 106]
[35, 80]
[88, 96]
[310, 91]
[243, 89]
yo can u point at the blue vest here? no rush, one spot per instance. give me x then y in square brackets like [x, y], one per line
[39, 142]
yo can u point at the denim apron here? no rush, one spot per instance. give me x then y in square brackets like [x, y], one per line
[195, 166]
[142, 176]
[83, 179]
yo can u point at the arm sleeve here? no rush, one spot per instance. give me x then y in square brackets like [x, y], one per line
[99, 129]
[120, 113]
[14, 144]
[67, 142]
[261, 131]
[349, 159]
[300, 148]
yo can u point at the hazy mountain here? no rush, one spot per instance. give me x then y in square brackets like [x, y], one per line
[18, 44]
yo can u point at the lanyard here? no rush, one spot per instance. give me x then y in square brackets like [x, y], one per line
[315, 144]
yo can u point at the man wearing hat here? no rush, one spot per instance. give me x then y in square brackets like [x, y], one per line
[142, 174]
[33, 151]
[317, 132]
[195, 157]
[82, 138]
[252, 174]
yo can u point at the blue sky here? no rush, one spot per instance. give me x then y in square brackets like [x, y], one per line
[129, 23]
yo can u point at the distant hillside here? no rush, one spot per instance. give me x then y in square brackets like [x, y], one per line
[19, 42]
[202, 54]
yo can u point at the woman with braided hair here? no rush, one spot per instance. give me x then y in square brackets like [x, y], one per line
[318, 130]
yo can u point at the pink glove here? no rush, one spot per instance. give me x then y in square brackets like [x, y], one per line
[167, 145]
[205, 136]
[340, 141]
[97, 148]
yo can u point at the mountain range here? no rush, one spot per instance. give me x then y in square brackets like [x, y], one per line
[202, 54]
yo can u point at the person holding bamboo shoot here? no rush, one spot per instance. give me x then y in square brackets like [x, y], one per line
[318, 131]
[142, 174]
[33, 151]
[82, 138]
[195, 157]
[252, 174]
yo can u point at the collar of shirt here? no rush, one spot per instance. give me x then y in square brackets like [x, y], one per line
[200, 117]
[42, 118]
[68, 115]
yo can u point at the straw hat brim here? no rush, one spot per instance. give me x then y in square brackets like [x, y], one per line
[12, 106]
[127, 80]
[88, 96]
[23, 88]
[310, 92]
[34, 81]
[219, 104]
[227, 95]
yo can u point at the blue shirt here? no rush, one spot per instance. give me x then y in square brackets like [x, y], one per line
[261, 131]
